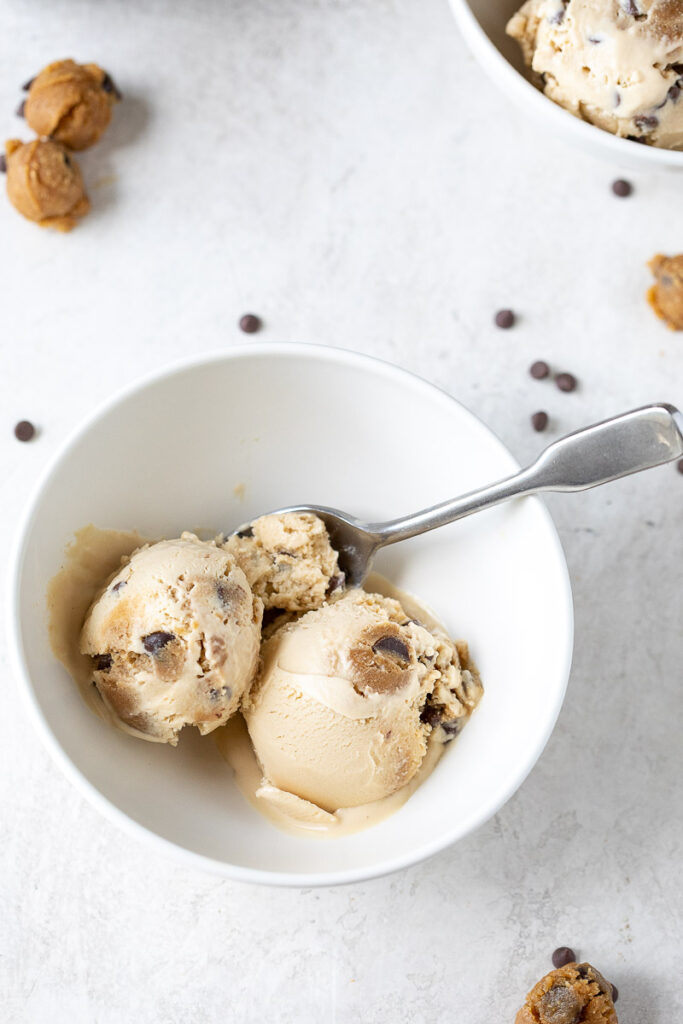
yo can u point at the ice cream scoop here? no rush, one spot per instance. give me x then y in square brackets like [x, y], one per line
[174, 639]
[625, 444]
[349, 697]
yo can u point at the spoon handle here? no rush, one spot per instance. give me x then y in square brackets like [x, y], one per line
[616, 447]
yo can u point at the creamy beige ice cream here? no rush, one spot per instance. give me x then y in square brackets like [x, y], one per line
[349, 697]
[288, 561]
[174, 637]
[615, 63]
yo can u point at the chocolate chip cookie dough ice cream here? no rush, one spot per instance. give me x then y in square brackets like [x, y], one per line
[350, 696]
[615, 63]
[174, 639]
[70, 103]
[44, 184]
[288, 560]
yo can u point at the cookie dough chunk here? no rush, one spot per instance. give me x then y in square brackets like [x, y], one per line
[666, 295]
[71, 103]
[44, 184]
[288, 560]
[174, 638]
[572, 994]
[615, 63]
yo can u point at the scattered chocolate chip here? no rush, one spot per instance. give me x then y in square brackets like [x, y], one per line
[583, 971]
[27, 85]
[230, 593]
[615, 993]
[674, 92]
[617, 98]
[248, 531]
[622, 188]
[636, 138]
[66, 158]
[539, 370]
[557, 18]
[20, 109]
[630, 7]
[645, 122]
[595, 40]
[562, 956]
[109, 86]
[336, 582]
[566, 381]
[678, 68]
[504, 318]
[102, 662]
[539, 421]
[392, 645]
[117, 586]
[154, 643]
[679, 465]
[250, 323]
[24, 431]
[3, 163]
[430, 715]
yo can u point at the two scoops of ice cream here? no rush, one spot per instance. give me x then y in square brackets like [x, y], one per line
[342, 691]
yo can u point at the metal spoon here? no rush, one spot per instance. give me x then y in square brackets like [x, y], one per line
[619, 446]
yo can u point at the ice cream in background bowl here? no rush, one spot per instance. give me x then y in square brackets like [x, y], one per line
[603, 75]
[499, 581]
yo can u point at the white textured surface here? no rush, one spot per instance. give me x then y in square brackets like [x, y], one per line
[344, 169]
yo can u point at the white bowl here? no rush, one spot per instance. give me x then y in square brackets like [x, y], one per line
[482, 22]
[301, 424]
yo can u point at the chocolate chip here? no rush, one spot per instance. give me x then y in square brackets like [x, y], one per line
[557, 18]
[622, 188]
[230, 593]
[117, 586]
[20, 109]
[584, 972]
[560, 1003]
[27, 85]
[562, 956]
[504, 318]
[615, 993]
[3, 163]
[645, 122]
[225, 692]
[539, 370]
[154, 643]
[451, 728]
[679, 465]
[102, 662]
[636, 138]
[24, 431]
[250, 323]
[248, 531]
[392, 645]
[335, 583]
[595, 40]
[539, 421]
[678, 68]
[67, 159]
[430, 715]
[566, 382]
[630, 7]
[270, 615]
[674, 92]
[109, 86]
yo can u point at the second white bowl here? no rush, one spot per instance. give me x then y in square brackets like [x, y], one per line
[482, 23]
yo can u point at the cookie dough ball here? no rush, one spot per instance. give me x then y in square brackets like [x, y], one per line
[71, 103]
[568, 995]
[288, 560]
[615, 63]
[174, 639]
[44, 184]
[666, 295]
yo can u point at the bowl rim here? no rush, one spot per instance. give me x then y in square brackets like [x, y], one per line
[509, 79]
[87, 789]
